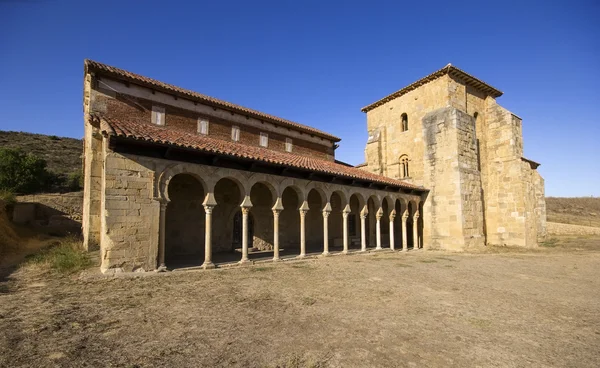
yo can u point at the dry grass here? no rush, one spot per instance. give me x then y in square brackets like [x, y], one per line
[63, 155]
[577, 211]
[498, 307]
[63, 256]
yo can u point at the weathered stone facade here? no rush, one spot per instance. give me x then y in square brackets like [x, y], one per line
[162, 191]
[468, 151]
[174, 178]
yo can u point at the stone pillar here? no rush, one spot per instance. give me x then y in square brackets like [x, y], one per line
[345, 214]
[363, 230]
[277, 208]
[326, 213]
[404, 237]
[245, 212]
[208, 237]
[378, 216]
[209, 204]
[392, 216]
[416, 230]
[162, 234]
[303, 210]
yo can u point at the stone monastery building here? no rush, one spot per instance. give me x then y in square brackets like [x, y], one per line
[175, 178]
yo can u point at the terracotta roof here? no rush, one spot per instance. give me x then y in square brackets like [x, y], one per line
[150, 133]
[95, 66]
[448, 69]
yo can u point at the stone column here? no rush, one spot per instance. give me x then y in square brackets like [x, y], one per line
[404, 237]
[303, 210]
[209, 204]
[363, 230]
[277, 208]
[392, 216]
[208, 237]
[345, 214]
[245, 212]
[326, 213]
[416, 230]
[161, 237]
[378, 216]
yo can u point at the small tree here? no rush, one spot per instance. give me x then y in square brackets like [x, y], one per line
[22, 172]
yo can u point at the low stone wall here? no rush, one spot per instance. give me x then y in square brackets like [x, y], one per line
[59, 211]
[555, 228]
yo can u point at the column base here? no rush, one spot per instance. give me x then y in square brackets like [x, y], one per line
[404, 250]
[244, 262]
[276, 259]
[208, 265]
[325, 254]
[345, 252]
[378, 248]
[300, 256]
[161, 268]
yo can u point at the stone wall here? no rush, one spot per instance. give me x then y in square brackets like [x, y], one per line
[56, 211]
[555, 228]
[390, 142]
[135, 102]
[453, 212]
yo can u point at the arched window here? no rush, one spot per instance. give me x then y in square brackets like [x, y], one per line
[404, 122]
[404, 173]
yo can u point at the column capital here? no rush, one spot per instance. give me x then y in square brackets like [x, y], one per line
[208, 208]
[416, 215]
[379, 214]
[276, 211]
[246, 210]
[405, 215]
[363, 215]
[326, 214]
[346, 209]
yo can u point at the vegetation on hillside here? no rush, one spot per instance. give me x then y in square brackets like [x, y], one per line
[577, 211]
[32, 163]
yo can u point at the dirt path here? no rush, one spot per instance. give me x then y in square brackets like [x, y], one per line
[497, 308]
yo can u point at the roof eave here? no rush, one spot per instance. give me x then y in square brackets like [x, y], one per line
[89, 67]
[449, 69]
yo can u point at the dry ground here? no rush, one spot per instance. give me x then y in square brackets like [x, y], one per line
[493, 308]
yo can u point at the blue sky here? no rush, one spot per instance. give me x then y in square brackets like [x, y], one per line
[319, 62]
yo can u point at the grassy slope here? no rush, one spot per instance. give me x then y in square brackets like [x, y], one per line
[578, 211]
[63, 155]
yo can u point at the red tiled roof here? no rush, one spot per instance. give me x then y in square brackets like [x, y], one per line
[448, 69]
[150, 133]
[91, 65]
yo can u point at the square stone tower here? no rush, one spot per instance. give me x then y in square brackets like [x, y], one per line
[447, 133]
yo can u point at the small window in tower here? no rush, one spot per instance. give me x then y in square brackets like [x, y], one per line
[264, 139]
[404, 167]
[288, 145]
[404, 122]
[158, 115]
[203, 126]
[235, 133]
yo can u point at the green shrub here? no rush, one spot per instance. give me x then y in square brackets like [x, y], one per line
[65, 256]
[7, 197]
[75, 181]
[21, 172]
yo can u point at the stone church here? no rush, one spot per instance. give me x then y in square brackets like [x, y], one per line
[175, 179]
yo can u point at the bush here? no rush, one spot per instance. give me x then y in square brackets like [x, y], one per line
[65, 256]
[21, 172]
[75, 181]
[7, 197]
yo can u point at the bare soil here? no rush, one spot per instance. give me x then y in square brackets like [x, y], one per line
[497, 307]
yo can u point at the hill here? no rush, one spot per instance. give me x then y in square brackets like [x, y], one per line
[577, 211]
[63, 155]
